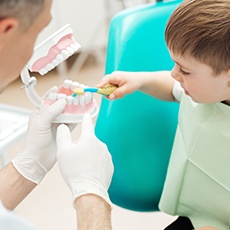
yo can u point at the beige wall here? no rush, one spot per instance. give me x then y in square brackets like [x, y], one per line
[87, 19]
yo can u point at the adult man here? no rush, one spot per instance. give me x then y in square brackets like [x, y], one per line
[20, 23]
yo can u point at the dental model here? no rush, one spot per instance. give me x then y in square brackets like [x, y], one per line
[49, 54]
[76, 106]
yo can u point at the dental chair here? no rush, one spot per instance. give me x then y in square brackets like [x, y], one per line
[138, 129]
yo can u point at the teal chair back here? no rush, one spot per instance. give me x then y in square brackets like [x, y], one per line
[138, 129]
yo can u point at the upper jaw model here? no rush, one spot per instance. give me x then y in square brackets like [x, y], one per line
[47, 55]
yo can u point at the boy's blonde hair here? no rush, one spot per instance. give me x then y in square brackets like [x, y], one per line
[201, 29]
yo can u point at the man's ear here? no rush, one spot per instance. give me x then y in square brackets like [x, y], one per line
[7, 25]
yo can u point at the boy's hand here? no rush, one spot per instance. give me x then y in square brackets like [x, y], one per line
[127, 82]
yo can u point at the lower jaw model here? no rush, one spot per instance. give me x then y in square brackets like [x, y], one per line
[76, 106]
[54, 50]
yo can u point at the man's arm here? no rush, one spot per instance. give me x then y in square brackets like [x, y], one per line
[13, 186]
[87, 168]
[28, 168]
[92, 213]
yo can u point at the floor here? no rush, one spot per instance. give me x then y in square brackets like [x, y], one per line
[49, 206]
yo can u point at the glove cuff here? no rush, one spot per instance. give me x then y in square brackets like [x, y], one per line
[80, 188]
[32, 171]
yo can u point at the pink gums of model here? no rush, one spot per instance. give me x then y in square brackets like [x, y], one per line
[54, 51]
[84, 103]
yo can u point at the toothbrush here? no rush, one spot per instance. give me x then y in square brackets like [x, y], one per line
[106, 90]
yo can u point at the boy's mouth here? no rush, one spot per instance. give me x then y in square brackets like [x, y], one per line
[186, 92]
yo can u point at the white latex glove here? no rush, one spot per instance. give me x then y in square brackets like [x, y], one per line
[86, 165]
[39, 154]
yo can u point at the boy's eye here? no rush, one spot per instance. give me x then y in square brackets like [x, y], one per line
[183, 72]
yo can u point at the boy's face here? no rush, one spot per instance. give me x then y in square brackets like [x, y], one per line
[17, 45]
[199, 82]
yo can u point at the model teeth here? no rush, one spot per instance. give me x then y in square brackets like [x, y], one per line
[52, 96]
[49, 67]
[60, 58]
[43, 71]
[74, 85]
[75, 101]
[74, 46]
[70, 50]
[88, 98]
[78, 100]
[82, 100]
[65, 54]
[61, 96]
[55, 62]
[67, 84]
[69, 100]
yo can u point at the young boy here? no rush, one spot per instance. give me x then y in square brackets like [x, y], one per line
[197, 187]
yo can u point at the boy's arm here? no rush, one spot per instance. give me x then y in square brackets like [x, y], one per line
[157, 84]
[13, 187]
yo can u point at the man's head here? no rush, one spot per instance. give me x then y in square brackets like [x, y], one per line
[20, 23]
[25, 11]
[201, 29]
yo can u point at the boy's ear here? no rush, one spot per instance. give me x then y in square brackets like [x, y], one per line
[7, 25]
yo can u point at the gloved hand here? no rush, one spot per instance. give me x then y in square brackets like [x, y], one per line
[86, 165]
[39, 154]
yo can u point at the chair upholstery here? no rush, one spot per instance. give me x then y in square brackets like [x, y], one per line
[138, 129]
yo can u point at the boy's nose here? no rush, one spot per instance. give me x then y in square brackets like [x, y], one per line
[176, 75]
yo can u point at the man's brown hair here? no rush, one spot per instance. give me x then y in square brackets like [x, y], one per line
[201, 29]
